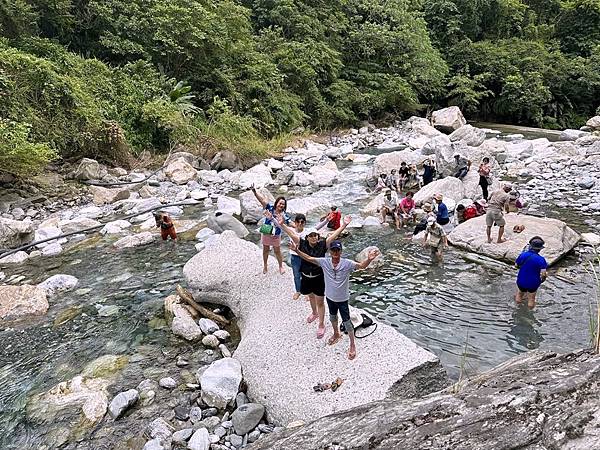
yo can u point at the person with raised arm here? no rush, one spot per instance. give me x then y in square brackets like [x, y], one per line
[271, 233]
[312, 281]
[337, 272]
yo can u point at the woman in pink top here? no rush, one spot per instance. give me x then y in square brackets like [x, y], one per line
[406, 209]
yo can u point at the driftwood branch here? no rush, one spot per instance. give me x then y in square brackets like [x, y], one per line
[186, 296]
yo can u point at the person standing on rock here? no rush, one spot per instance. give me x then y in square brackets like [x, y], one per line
[442, 215]
[337, 272]
[271, 233]
[485, 171]
[532, 272]
[312, 278]
[497, 205]
[167, 228]
[435, 238]
[462, 166]
[428, 172]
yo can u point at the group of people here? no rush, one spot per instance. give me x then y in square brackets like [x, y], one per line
[318, 277]
[406, 176]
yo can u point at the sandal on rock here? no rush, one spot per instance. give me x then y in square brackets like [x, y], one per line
[320, 333]
[336, 384]
[320, 387]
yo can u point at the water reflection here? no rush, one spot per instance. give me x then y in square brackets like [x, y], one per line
[523, 333]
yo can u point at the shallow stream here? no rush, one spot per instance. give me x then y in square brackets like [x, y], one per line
[462, 309]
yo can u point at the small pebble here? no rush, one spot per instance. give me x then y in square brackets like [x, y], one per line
[167, 383]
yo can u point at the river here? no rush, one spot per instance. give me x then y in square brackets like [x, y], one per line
[462, 309]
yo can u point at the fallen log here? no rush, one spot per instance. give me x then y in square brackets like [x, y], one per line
[186, 296]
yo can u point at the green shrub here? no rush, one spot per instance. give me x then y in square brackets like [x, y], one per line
[18, 155]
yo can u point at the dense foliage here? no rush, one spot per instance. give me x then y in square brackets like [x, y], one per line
[96, 77]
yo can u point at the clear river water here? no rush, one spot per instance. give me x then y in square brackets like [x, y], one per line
[462, 309]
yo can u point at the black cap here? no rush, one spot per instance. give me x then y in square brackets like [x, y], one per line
[536, 243]
[335, 245]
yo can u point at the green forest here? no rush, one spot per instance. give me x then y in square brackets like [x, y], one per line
[110, 78]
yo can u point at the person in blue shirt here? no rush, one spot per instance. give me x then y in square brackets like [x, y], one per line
[271, 232]
[532, 272]
[442, 210]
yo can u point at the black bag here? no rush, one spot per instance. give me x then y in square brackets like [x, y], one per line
[366, 323]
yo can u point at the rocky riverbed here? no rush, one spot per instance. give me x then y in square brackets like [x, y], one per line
[113, 316]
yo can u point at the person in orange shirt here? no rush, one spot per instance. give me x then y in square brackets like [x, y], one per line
[167, 228]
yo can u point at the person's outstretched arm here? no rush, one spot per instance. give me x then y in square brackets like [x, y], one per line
[263, 201]
[289, 230]
[333, 236]
[370, 257]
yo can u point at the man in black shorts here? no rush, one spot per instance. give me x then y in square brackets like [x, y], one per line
[313, 281]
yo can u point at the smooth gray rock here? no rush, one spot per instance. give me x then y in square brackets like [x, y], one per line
[14, 233]
[160, 428]
[236, 440]
[155, 444]
[241, 399]
[220, 382]
[58, 283]
[538, 400]
[122, 402]
[246, 417]
[207, 326]
[167, 383]
[219, 222]
[586, 183]
[210, 341]
[181, 436]
[448, 119]
[253, 436]
[200, 440]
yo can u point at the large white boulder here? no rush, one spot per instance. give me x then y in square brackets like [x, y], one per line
[448, 119]
[87, 169]
[135, 240]
[560, 239]
[228, 205]
[306, 205]
[122, 402]
[252, 210]
[471, 184]
[104, 195]
[300, 178]
[594, 123]
[449, 187]
[58, 283]
[219, 222]
[283, 376]
[323, 176]
[220, 382]
[25, 300]
[422, 126]
[258, 176]
[180, 171]
[52, 249]
[373, 206]
[469, 135]
[42, 234]
[15, 258]
[14, 233]
[572, 135]
[437, 144]
[386, 162]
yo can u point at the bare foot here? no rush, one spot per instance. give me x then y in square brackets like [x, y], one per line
[264, 270]
[352, 354]
[312, 318]
[281, 270]
[502, 241]
[320, 332]
[334, 339]
[531, 305]
[489, 240]
[296, 296]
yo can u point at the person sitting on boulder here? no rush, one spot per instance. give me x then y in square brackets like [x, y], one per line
[390, 206]
[443, 218]
[381, 183]
[428, 171]
[392, 181]
[459, 214]
[403, 174]
[435, 238]
[462, 166]
[271, 233]
[414, 178]
[312, 283]
[333, 220]
[532, 272]
[497, 205]
[337, 272]
[481, 206]
[470, 212]
[514, 203]
[167, 228]
[406, 209]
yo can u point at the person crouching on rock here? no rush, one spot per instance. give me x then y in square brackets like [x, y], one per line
[337, 272]
[270, 232]
[312, 279]
[167, 228]
[532, 271]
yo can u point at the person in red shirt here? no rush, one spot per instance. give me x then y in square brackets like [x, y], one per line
[334, 219]
[406, 209]
[167, 228]
[470, 212]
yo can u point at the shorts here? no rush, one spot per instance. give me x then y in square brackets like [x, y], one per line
[444, 221]
[389, 212]
[494, 216]
[313, 285]
[165, 233]
[270, 240]
[342, 307]
[532, 291]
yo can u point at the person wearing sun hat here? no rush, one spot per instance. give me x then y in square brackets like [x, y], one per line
[426, 212]
[442, 216]
[435, 238]
[532, 271]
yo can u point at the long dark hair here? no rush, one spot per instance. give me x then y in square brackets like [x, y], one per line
[277, 201]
